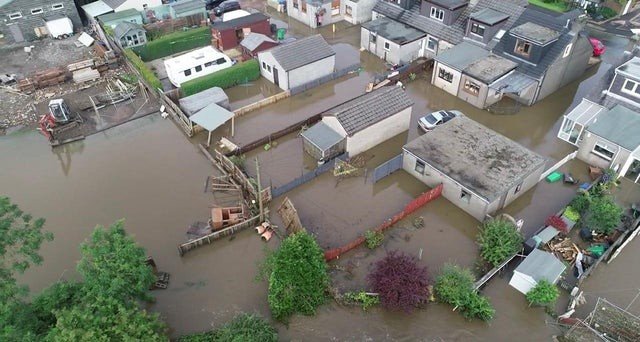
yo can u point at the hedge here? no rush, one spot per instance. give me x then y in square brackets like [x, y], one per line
[144, 70]
[226, 78]
[175, 42]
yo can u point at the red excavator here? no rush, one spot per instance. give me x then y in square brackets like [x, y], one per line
[59, 119]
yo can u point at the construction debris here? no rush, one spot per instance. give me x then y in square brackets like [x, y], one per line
[564, 248]
[85, 75]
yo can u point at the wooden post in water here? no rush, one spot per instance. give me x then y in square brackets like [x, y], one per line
[259, 190]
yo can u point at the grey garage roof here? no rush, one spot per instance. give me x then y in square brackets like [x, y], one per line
[194, 103]
[253, 40]
[368, 109]
[123, 27]
[631, 68]
[461, 56]
[481, 160]
[513, 83]
[302, 52]
[488, 16]
[620, 126]
[536, 33]
[490, 68]
[394, 31]
[541, 265]
[322, 136]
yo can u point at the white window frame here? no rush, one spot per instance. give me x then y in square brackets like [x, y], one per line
[420, 166]
[387, 46]
[37, 10]
[437, 13]
[429, 38]
[443, 72]
[631, 92]
[604, 147]
[522, 52]
[482, 27]
[15, 15]
[470, 86]
[465, 196]
[57, 6]
[567, 50]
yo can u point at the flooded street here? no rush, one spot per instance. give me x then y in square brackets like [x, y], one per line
[147, 172]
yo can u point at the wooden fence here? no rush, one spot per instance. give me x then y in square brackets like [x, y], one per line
[264, 102]
[207, 239]
[176, 113]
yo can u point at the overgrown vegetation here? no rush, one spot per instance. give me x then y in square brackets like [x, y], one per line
[499, 240]
[297, 275]
[361, 298]
[143, 69]
[226, 78]
[603, 215]
[373, 239]
[454, 286]
[554, 5]
[239, 161]
[571, 214]
[243, 327]
[400, 283]
[543, 294]
[175, 42]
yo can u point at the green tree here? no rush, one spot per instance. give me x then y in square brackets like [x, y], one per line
[113, 265]
[499, 240]
[454, 286]
[543, 294]
[603, 215]
[298, 278]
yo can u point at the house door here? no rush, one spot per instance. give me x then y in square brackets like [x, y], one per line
[276, 80]
[16, 33]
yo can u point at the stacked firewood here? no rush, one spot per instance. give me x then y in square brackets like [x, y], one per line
[564, 248]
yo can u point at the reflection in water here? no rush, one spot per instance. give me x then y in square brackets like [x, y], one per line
[64, 153]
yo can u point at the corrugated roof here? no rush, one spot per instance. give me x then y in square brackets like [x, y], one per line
[461, 55]
[211, 117]
[132, 12]
[253, 40]
[123, 27]
[394, 31]
[368, 109]
[302, 52]
[541, 265]
[620, 126]
[322, 136]
[96, 9]
[187, 5]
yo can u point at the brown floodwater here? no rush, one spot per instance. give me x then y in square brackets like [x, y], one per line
[147, 172]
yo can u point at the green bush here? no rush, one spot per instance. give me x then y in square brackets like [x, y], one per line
[454, 286]
[543, 294]
[571, 214]
[226, 78]
[175, 42]
[607, 12]
[603, 215]
[581, 203]
[362, 298]
[373, 239]
[499, 240]
[144, 70]
[242, 328]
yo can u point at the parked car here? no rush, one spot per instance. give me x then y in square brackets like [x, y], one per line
[430, 121]
[211, 4]
[227, 6]
[598, 47]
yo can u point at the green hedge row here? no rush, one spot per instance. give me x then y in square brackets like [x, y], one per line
[175, 42]
[144, 70]
[226, 78]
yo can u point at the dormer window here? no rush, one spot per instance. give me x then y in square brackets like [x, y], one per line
[477, 29]
[523, 48]
[437, 14]
[631, 87]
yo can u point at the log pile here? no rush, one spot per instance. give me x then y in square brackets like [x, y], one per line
[43, 79]
[564, 248]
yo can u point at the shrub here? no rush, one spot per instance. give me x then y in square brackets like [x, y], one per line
[242, 328]
[607, 12]
[603, 215]
[175, 42]
[226, 78]
[373, 239]
[362, 298]
[581, 203]
[454, 286]
[571, 214]
[543, 294]
[557, 223]
[144, 70]
[499, 240]
[298, 277]
[400, 283]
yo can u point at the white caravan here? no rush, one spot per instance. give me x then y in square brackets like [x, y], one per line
[194, 64]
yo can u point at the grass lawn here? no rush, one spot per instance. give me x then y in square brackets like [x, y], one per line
[558, 5]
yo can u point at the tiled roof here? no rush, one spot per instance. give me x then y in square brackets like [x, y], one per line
[368, 109]
[302, 52]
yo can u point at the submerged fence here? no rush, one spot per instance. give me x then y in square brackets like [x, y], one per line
[277, 191]
[411, 207]
[328, 78]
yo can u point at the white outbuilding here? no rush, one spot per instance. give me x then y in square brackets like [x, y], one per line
[538, 265]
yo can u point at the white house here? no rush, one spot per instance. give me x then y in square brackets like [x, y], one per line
[390, 40]
[363, 123]
[194, 64]
[315, 13]
[297, 63]
[538, 265]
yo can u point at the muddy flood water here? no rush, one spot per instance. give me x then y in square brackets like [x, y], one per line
[147, 172]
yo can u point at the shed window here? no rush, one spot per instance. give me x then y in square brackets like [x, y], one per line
[387, 46]
[432, 44]
[187, 72]
[295, 3]
[631, 87]
[437, 14]
[269, 68]
[445, 75]
[477, 29]
[603, 151]
[199, 68]
[264, 65]
[14, 16]
[465, 196]
[36, 10]
[471, 87]
[335, 7]
[348, 11]
[57, 6]
[304, 6]
[523, 48]
[419, 166]
[373, 38]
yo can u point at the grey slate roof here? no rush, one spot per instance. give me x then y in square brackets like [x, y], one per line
[450, 4]
[490, 68]
[631, 67]
[488, 16]
[394, 31]
[481, 160]
[119, 15]
[538, 34]
[187, 5]
[239, 22]
[455, 32]
[462, 55]
[123, 27]
[620, 126]
[368, 109]
[541, 265]
[114, 3]
[322, 136]
[513, 83]
[253, 40]
[302, 52]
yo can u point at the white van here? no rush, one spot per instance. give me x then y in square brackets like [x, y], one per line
[194, 64]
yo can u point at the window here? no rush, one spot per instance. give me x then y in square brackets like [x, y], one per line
[432, 44]
[199, 68]
[269, 68]
[264, 65]
[477, 29]
[208, 64]
[187, 72]
[523, 48]
[387, 46]
[304, 6]
[373, 38]
[335, 7]
[465, 196]
[36, 10]
[603, 151]
[419, 166]
[567, 51]
[295, 3]
[348, 11]
[471, 87]
[437, 14]
[517, 189]
[631, 87]
[221, 60]
[57, 6]
[14, 16]
[445, 75]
